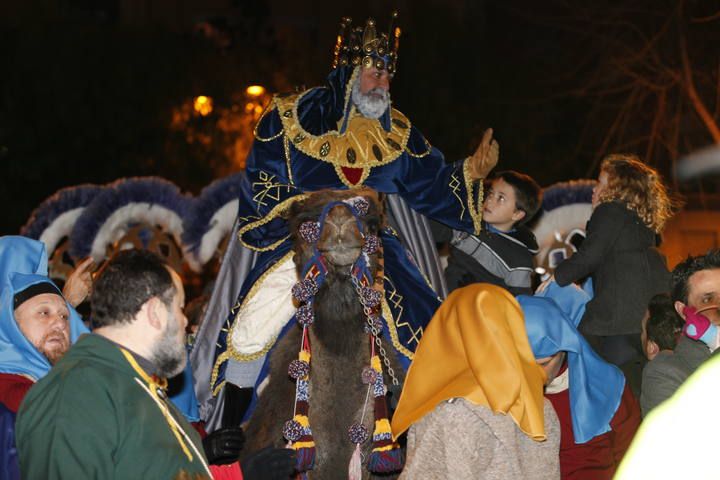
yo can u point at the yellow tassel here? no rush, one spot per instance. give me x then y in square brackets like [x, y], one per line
[298, 445]
[375, 364]
[385, 448]
[302, 420]
[382, 426]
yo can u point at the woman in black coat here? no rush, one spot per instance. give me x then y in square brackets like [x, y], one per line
[630, 208]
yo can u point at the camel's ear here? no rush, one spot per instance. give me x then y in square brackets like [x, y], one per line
[377, 209]
[293, 210]
[372, 196]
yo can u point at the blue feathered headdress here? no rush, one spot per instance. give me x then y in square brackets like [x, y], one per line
[211, 217]
[566, 208]
[55, 217]
[151, 200]
[567, 193]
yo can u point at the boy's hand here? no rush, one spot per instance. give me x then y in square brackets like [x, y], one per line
[545, 284]
[485, 157]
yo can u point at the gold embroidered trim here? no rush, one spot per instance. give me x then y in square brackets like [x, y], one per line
[249, 357]
[475, 206]
[420, 155]
[428, 283]
[286, 147]
[216, 371]
[270, 188]
[392, 231]
[227, 355]
[365, 144]
[231, 352]
[218, 388]
[454, 186]
[387, 313]
[277, 211]
[242, 357]
[269, 109]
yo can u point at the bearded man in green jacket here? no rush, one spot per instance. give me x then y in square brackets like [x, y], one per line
[102, 412]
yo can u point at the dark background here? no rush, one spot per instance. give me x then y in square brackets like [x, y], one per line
[88, 88]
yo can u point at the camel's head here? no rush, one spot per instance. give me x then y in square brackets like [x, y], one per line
[349, 229]
[340, 241]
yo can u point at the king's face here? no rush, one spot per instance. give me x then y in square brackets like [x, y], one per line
[372, 78]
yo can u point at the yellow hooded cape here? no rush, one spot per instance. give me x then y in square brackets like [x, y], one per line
[476, 348]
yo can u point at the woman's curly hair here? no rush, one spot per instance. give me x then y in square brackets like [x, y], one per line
[639, 187]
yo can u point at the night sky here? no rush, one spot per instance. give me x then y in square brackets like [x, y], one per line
[89, 88]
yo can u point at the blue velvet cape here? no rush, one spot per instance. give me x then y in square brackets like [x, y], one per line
[279, 171]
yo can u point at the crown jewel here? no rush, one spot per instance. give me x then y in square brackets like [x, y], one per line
[364, 46]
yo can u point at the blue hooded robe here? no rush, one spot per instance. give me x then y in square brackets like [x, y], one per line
[596, 387]
[23, 262]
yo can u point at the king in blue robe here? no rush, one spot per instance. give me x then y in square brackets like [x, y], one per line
[322, 139]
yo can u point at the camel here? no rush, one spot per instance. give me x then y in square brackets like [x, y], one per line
[339, 341]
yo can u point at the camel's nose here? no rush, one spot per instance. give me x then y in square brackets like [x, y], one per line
[340, 241]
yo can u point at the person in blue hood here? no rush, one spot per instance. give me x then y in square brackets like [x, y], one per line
[24, 255]
[21, 254]
[37, 326]
[597, 411]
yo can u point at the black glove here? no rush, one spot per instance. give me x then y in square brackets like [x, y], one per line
[269, 464]
[223, 446]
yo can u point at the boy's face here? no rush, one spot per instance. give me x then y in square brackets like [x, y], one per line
[499, 209]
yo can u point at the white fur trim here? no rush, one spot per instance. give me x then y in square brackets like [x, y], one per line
[221, 224]
[562, 219]
[117, 224]
[59, 228]
[264, 315]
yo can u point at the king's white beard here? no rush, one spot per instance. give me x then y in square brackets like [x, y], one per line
[371, 104]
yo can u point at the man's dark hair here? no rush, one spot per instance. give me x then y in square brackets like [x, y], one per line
[128, 280]
[663, 323]
[683, 271]
[528, 194]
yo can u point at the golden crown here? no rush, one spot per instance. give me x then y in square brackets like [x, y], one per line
[364, 46]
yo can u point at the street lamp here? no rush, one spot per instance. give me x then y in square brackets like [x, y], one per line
[255, 90]
[203, 105]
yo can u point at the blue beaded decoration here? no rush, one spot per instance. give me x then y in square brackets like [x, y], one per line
[292, 430]
[298, 369]
[372, 244]
[358, 433]
[304, 290]
[309, 231]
